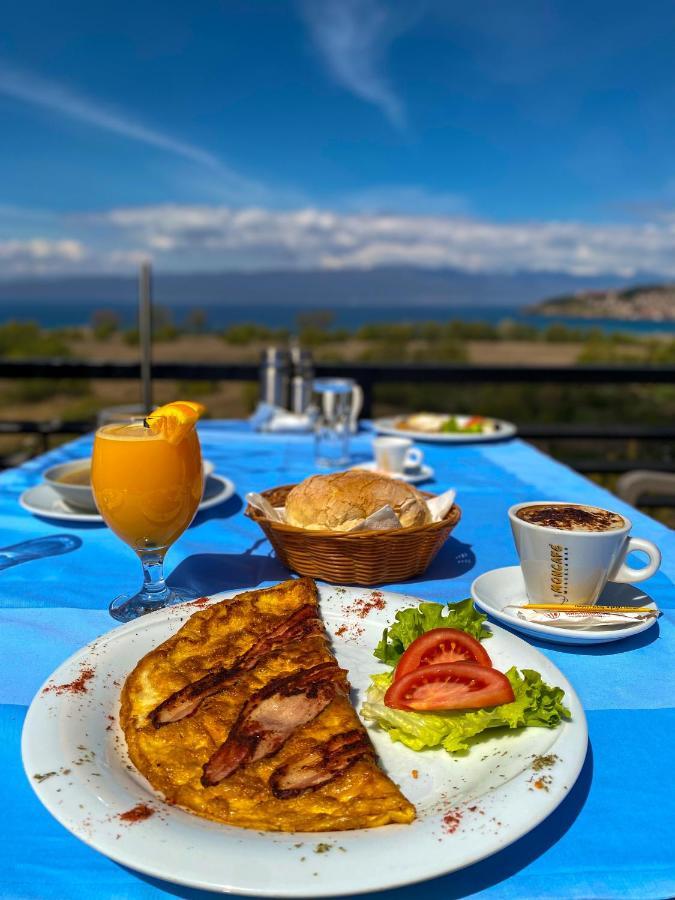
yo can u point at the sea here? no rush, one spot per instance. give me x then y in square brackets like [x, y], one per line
[59, 314]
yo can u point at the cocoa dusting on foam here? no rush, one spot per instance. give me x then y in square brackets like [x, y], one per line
[571, 518]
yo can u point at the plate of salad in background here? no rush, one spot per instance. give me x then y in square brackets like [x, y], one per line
[445, 427]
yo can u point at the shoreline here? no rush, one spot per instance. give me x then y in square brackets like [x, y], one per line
[219, 317]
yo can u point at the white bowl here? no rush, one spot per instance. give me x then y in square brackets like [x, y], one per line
[79, 496]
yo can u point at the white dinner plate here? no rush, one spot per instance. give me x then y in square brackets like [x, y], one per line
[494, 590]
[43, 500]
[413, 476]
[468, 807]
[500, 431]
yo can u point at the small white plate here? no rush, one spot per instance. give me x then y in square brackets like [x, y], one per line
[412, 476]
[498, 588]
[468, 807]
[501, 431]
[43, 500]
[217, 489]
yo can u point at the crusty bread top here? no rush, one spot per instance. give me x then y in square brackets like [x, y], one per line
[339, 501]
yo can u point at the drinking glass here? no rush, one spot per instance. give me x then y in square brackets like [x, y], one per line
[333, 398]
[147, 490]
[129, 412]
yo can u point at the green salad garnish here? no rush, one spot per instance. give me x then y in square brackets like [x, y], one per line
[409, 624]
[535, 703]
[452, 426]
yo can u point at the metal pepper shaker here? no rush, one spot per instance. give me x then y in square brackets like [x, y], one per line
[275, 367]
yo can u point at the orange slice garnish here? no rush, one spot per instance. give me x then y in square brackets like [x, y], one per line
[175, 420]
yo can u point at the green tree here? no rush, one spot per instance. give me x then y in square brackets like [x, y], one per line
[196, 321]
[104, 323]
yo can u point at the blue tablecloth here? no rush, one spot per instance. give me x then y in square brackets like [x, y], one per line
[612, 836]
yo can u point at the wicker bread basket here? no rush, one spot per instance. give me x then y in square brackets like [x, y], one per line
[363, 557]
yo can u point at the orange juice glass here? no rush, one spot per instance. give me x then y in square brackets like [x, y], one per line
[147, 490]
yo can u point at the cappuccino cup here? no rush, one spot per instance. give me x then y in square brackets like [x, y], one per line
[569, 551]
[396, 454]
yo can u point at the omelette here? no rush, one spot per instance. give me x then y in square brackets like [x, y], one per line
[244, 717]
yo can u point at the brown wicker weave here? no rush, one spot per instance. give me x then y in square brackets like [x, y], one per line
[364, 557]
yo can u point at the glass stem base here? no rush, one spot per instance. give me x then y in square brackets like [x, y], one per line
[155, 593]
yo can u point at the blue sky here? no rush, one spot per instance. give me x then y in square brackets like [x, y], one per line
[489, 135]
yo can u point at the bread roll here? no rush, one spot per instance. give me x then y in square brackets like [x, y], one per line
[343, 500]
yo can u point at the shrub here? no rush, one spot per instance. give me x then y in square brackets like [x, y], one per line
[22, 340]
[104, 323]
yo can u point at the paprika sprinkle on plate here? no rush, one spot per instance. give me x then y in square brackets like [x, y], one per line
[78, 686]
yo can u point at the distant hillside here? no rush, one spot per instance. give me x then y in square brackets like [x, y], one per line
[381, 287]
[649, 302]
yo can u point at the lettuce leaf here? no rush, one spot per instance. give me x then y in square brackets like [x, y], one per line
[536, 703]
[411, 623]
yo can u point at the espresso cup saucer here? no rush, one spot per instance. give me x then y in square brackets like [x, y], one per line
[494, 590]
[412, 476]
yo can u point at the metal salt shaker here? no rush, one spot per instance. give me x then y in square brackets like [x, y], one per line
[303, 379]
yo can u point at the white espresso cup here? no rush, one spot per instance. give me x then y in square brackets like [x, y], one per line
[396, 454]
[572, 564]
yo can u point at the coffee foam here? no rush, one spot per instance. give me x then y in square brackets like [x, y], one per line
[571, 517]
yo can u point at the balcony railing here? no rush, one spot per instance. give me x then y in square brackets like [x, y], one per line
[371, 375]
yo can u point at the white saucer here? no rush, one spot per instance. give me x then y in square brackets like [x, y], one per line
[498, 588]
[217, 489]
[43, 500]
[412, 476]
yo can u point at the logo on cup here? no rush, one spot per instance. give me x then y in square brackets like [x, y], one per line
[559, 571]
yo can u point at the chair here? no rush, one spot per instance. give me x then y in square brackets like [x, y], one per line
[659, 486]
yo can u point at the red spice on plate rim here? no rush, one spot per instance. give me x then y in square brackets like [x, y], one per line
[363, 606]
[138, 813]
[78, 686]
[452, 820]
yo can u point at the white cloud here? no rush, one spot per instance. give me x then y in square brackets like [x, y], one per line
[36, 91]
[41, 256]
[60, 100]
[220, 237]
[353, 37]
[217, 238]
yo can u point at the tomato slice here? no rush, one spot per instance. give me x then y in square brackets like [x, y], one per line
[441, 645]
[459, 685]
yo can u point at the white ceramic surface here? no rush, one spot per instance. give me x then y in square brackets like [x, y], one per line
[79, 497]
[415, 476]
[490, 791]
[503, 430]
[396, 454]
[43, 500]
[568, 566]
[498, 588]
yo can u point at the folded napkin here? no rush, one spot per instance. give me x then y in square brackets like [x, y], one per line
[276, 419]
[593, 618]
[382, 519]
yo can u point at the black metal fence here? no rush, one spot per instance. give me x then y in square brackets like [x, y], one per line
[368, 375]
[371, 375]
